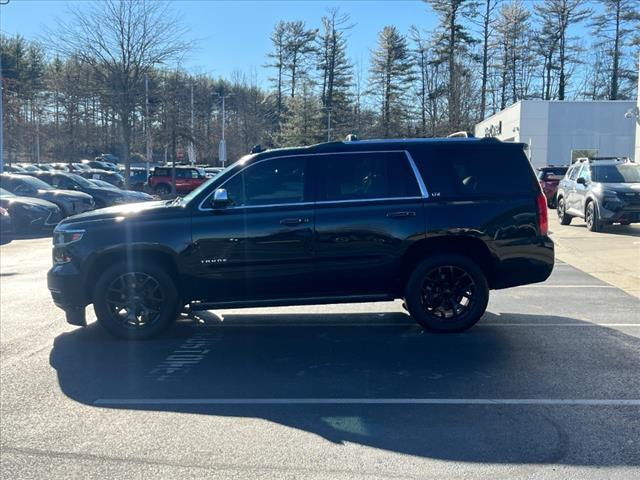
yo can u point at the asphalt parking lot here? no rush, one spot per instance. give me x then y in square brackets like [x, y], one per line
[547, 385]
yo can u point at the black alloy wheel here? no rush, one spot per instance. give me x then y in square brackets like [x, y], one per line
[447, 293]
[135, 299]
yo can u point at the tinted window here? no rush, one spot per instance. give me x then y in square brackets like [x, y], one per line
[163, 172]
[573, 173]
[474, 171]
[269, 182]
[365, 175]
[616, 173]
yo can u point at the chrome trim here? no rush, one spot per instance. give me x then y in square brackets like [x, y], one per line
[416, 172]
[357, 200]
[423, 189]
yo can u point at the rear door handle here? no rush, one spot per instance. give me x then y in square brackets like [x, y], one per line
[293, 221]
[401, 214]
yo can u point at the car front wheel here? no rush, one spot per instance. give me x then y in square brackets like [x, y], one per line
[564, 218]
[592, 218]
[136, 302]
[447, 293]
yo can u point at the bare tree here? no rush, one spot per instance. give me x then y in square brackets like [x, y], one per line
[278, 61]
[614, 29]
[122, 41]
[559, 15]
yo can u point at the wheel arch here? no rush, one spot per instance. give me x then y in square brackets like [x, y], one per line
[465, 245]
[136, 255]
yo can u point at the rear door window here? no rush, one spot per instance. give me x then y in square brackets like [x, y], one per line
[458, 171]
[363, 176]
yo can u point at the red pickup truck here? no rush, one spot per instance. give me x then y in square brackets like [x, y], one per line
[187, 179]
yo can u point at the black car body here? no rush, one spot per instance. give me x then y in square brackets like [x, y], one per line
[602, 191]
[69, 202]
[357, 221]
[113, 178]
[103, 197]
[29, 215]
[5, 223]
[130, 195]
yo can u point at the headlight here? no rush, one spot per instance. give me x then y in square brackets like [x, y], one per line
[65, 237]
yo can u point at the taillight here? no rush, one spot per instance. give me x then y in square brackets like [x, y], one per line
[543, 214]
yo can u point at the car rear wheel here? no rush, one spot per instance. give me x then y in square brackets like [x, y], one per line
[592, 218]
[564, 218]
[136, 302]
[447, 293]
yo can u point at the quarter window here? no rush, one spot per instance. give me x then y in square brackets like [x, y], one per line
[365, 176]
[271, 182]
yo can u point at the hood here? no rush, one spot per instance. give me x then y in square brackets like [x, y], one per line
[621, 187]
[6, 201]
[54, 194]
[132, 195]
[130, 211]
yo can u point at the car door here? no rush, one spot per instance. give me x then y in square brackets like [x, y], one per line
[569, 185]
[581, 189]
[258, 246]
[368, 210]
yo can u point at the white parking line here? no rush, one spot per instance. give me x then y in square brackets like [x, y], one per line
[412, 324]
[366, 401]
[565, 286]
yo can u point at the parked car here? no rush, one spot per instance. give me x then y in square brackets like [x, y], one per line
[549, 178]
[212, 171]
[30, 214]
[13, 169]
[131, 195]
[113, 178]
[138, 177]
[427, 221]
[103, 197]
[100, 165]
[69, 202]
[187, 179]
[45, 167]
[5, 221]
[108, 157]
[602, 191]
[62, 167]
[29, 167]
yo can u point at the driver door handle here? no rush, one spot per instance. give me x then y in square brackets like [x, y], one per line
[293, 221]
[401, 214]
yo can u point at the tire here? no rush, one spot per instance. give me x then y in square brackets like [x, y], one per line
[592, 217]
[432, 313]
[564, 218]
[552, 203]
[158, 285]
[162, 189]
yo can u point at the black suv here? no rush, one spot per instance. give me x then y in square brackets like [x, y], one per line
[601, 190]
[427, 221]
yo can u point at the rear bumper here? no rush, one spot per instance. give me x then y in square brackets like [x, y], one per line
[523, 264]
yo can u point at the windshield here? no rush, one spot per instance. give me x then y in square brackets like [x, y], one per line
[103, 184]
[35, 183]
[5, 193]
[83, 182]
[616, 173]
[206, 184]
[82, 166]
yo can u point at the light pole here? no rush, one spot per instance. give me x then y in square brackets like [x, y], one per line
[222, 150]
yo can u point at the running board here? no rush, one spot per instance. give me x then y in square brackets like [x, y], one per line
[286, 302]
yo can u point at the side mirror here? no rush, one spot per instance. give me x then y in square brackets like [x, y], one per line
[582, 181]
[220, 198]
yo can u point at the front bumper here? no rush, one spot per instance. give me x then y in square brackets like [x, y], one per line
[67, 291]
[619, 211]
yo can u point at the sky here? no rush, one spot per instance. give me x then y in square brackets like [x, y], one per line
[234, 35]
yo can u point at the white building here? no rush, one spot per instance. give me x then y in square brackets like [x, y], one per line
[556, 131]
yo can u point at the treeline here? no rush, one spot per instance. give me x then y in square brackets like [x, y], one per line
[63, 100]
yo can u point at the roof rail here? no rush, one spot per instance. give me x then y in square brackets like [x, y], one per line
[460, 134]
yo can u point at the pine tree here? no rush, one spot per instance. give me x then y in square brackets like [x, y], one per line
[391, 74]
